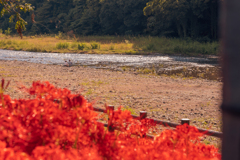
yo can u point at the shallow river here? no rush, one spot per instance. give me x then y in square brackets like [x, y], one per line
[159, 64]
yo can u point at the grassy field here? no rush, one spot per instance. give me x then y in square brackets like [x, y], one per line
[108, 45]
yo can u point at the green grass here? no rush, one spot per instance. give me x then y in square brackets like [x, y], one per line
[175, 46]
[95, 45]
[89, 92]
[63, 45]
[146, 70]
[108, 45]
[82, 46]
[129, 109]
[93, 83]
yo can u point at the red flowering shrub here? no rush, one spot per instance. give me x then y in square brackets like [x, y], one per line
[56, 124]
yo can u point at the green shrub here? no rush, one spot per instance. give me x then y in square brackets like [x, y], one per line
[1, 31]
[177, 49]
[8, 31]
[95, 45]
[74, 45]
[111, 47]
[9, 42]
[60, 35]
[2, 43]
[34, 49]
[131, 52]
[63, 45]
[129, 109]
[150, 47]
[81, 46]
[146, 71]
[203, 39]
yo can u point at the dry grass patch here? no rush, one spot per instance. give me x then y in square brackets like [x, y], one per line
[55, 44]
[108, 45]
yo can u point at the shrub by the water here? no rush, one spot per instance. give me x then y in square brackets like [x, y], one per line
[8, 31]
[81, 46]
[111, 47]
[62, 45]
[95, 45]
[150, 47]
[35, 49]
[74, 45]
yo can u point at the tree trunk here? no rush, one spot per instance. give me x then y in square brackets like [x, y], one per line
[179, 29]
[230, 32]
[194, 26]
[214, 19]
[184, 27]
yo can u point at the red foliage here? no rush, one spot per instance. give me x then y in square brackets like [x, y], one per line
[56, 124]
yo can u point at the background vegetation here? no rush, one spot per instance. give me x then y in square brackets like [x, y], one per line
[62, 43]
[197, 19]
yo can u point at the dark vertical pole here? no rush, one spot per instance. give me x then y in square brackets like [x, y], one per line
[111, 112]
[185, 120]
[230, 43]
[143, 115]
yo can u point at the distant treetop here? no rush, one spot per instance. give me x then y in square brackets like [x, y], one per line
[14, 8]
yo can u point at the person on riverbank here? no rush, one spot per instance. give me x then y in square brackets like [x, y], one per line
[66, 64]
[70, 63]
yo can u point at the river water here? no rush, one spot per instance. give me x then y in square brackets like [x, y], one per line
[159, 64]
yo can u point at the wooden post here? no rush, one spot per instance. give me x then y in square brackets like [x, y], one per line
[143, 115]
[185, 120]
[230, 43]
[111, 112]
[111, 107]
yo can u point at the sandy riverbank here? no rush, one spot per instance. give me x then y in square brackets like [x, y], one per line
[164, 98]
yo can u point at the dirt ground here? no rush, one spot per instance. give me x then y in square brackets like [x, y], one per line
[164, 98]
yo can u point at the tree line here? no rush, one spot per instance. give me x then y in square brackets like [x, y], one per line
[197, 19]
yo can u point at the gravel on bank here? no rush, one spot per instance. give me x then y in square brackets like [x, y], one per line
[164, 98]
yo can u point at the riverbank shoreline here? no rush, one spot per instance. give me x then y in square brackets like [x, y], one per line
[175, 66]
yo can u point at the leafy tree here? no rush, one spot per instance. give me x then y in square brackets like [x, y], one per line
[123, 17]
[197, 19]
[134, 19]
[75, 14]
[89, 22]
[111, 17]
[188, 18]
[51, 16]
[14, 8]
